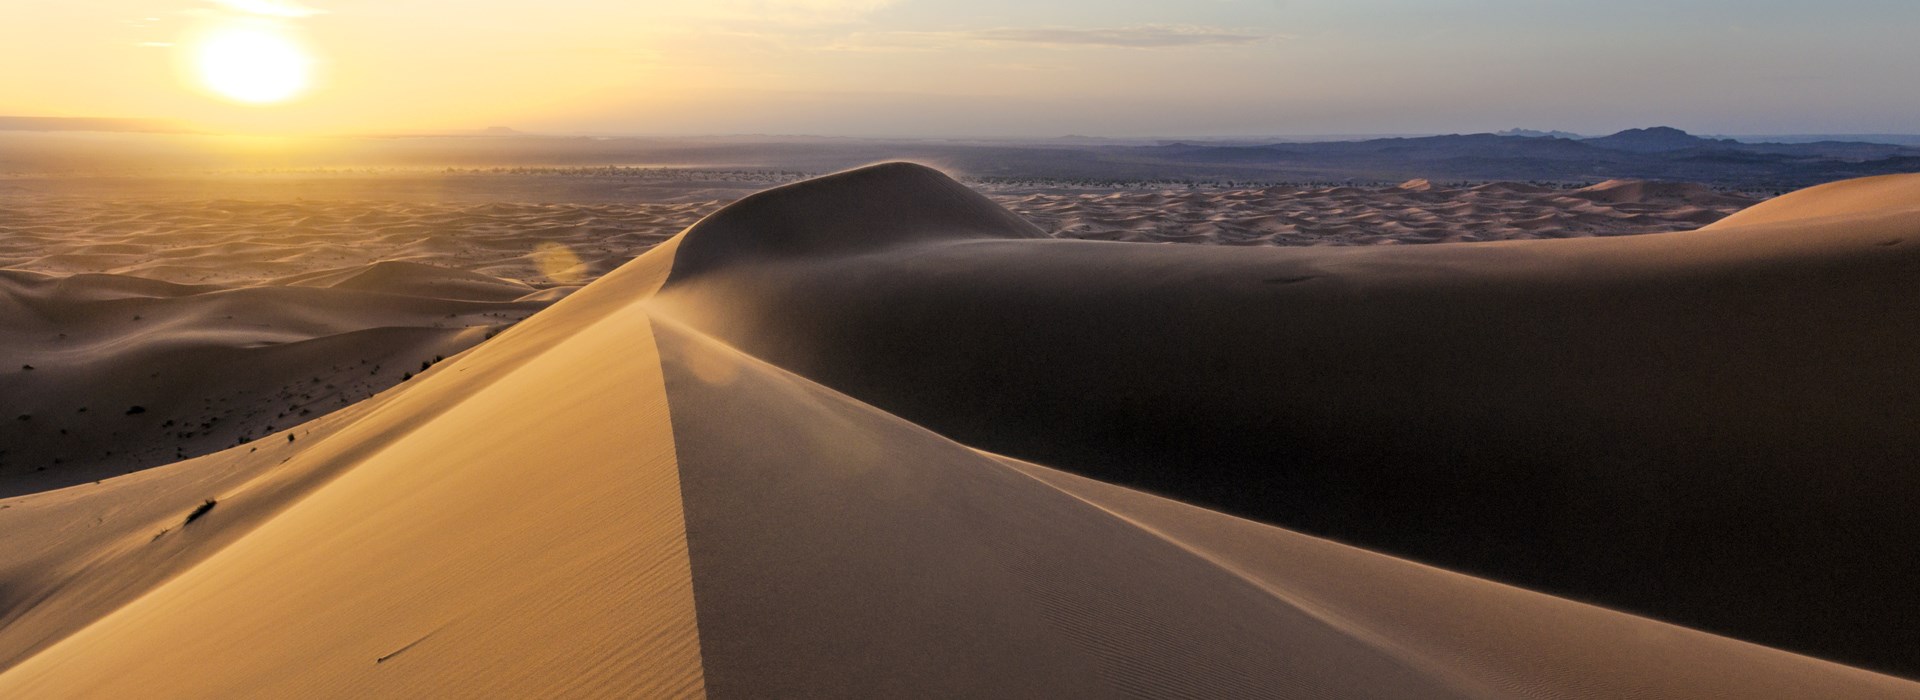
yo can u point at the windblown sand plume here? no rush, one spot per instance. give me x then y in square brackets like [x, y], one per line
[796, 451]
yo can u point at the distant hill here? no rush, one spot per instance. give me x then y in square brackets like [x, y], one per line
[1892, 139]
[1655, 153]
[1654, 140]
[1536, 134]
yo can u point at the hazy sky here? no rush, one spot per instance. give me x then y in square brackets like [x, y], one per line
[991, 67]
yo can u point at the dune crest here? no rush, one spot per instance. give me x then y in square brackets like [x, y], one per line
[809, 219]
[1883, 195]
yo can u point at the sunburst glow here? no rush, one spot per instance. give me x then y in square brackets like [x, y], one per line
[255, 65]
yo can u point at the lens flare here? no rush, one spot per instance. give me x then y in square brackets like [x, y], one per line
[558, 263]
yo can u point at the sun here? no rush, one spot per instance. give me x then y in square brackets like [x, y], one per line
[255, 65]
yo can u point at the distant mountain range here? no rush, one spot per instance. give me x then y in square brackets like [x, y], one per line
[1659, 152]
[1533, 134]
[1654, 153]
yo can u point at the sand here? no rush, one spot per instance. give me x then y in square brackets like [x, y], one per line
[1713, 428]
[113, 373]
[176, 233]
[270, 283]
[243, 242]
[760, 460]
[1415, 212]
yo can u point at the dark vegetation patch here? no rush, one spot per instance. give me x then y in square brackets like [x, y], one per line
[201, 510]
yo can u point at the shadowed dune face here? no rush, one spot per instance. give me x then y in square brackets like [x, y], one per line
[108, 374]
[690, 478]
[1713, 428]
[815, 225]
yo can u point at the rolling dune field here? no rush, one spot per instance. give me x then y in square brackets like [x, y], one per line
[880, 434]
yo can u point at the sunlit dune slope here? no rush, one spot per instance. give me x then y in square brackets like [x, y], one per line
[611, 499]
[506, 524]
[1891, 195]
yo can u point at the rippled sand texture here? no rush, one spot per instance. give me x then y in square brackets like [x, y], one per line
[225, 242]
[234, 241]
[1415, 212]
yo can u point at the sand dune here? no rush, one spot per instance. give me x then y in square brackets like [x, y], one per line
[1868, 196]
[1493, 408]
[720, 469]
[1414, 212]
[1644, 192]
[110, 373]
[116, 238]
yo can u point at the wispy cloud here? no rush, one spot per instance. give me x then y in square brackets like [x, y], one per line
[801, 12]
[1151, 36]
[1146, 36]
[827, 6]
[270, 8]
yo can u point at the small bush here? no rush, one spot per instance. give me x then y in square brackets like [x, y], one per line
[201, 510]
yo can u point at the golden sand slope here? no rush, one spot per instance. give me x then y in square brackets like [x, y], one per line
[1867, 196]
[442, 539]
[606, 500]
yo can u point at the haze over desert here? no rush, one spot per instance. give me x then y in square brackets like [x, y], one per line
[894, 349]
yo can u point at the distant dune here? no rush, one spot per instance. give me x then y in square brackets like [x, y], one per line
[796, 451]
